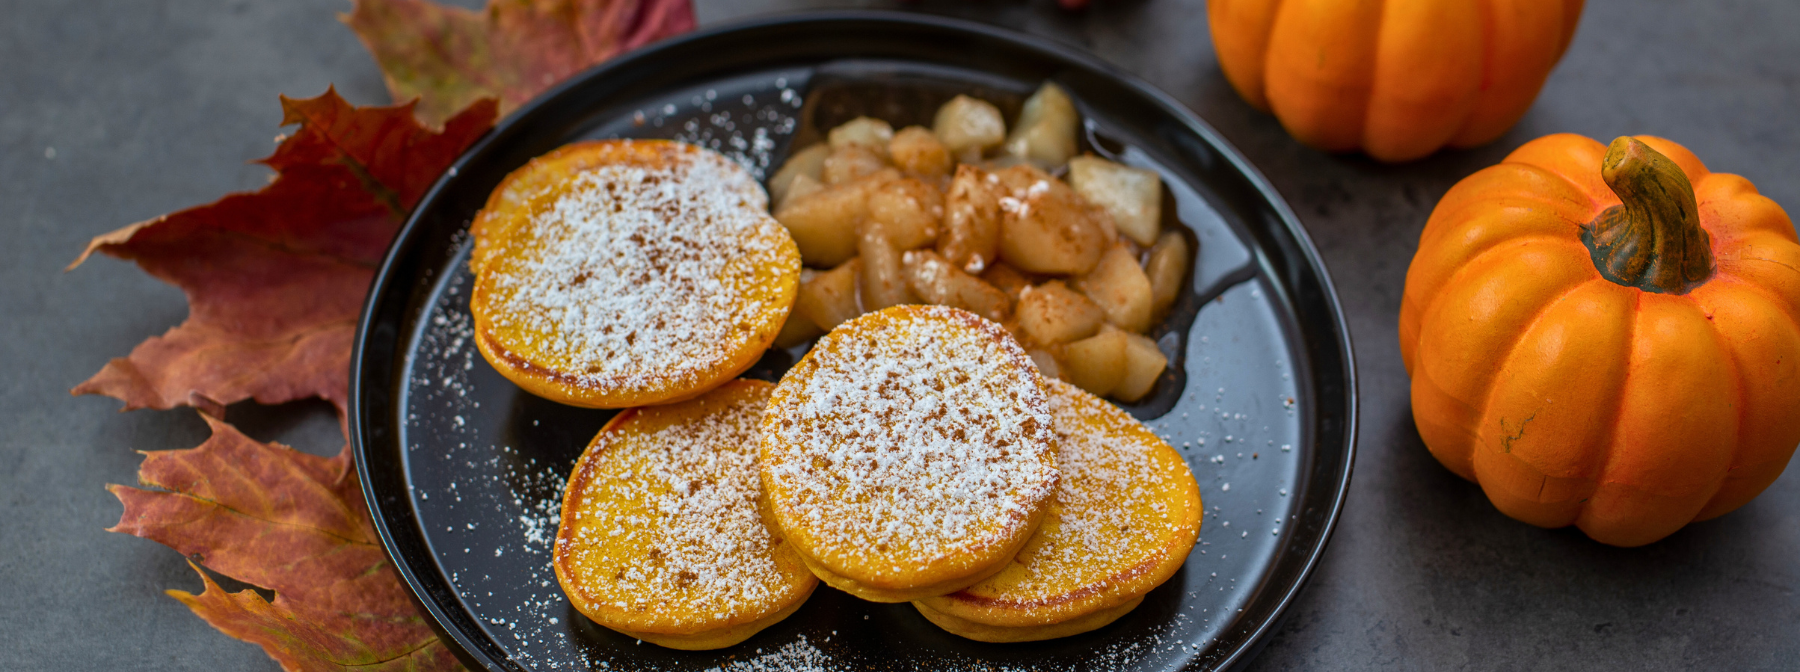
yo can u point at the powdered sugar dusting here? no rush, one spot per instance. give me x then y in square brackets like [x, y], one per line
[804, 654]
[909, 434]
[473, 473]
[795, 656]
[666, 524]
[1110, 510]
[638, 277]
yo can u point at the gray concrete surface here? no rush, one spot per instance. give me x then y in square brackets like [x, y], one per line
[113, 111]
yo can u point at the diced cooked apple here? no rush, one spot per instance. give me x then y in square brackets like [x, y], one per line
[799, 187]
[1144, 364]
[850, 163]
[971, 231]
[1096, 363]
[1045, 132]
[869, 132]
[1053, 313]
[1167, 269]
[824, 223]
[883, 273]
[1006, 279]
[1045, 227]
[809, 162]
[1046, 362]
[796, 330]
[829, 298]
[1132, 196]
[908, 210]
[1121, 289]
[967, 126]
[916, 150]
[1001, 162]
[935, 280]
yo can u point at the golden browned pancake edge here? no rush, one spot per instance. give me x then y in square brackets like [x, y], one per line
[662, 537]
[551, 285]
[1126, 517]
[886, 414]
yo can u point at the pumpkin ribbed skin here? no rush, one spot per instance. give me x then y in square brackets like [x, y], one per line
[1572, 399]
[1396, 78]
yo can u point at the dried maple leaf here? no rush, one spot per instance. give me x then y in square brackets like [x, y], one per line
[514, 49]
[289, 522]
[275, 278]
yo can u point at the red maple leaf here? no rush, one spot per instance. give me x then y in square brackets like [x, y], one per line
[275, 278]
[448, 57]
[289, 522]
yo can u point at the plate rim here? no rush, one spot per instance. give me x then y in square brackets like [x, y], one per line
[463, 646]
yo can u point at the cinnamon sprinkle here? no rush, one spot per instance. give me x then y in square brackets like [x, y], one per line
[909, 435]
[632, 277]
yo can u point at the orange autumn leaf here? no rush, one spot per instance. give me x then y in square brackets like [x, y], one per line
[288, 522]
[448, 57]
[275, 278]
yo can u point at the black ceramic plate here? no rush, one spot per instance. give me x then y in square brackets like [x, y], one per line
[463, 471]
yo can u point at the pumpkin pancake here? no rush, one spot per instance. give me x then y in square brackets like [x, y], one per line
[1125, 516]
[909, 453]
[622, 273]
[661, 536]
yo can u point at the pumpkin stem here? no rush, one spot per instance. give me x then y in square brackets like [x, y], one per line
[1652, 240]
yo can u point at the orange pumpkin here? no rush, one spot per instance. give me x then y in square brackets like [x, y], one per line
[1607, 337]
[1396, 78]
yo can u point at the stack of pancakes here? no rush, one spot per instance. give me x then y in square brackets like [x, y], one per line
[914, 454]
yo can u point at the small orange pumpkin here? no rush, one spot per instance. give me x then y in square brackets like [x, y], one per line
[1607, 336]
[1396, 78]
